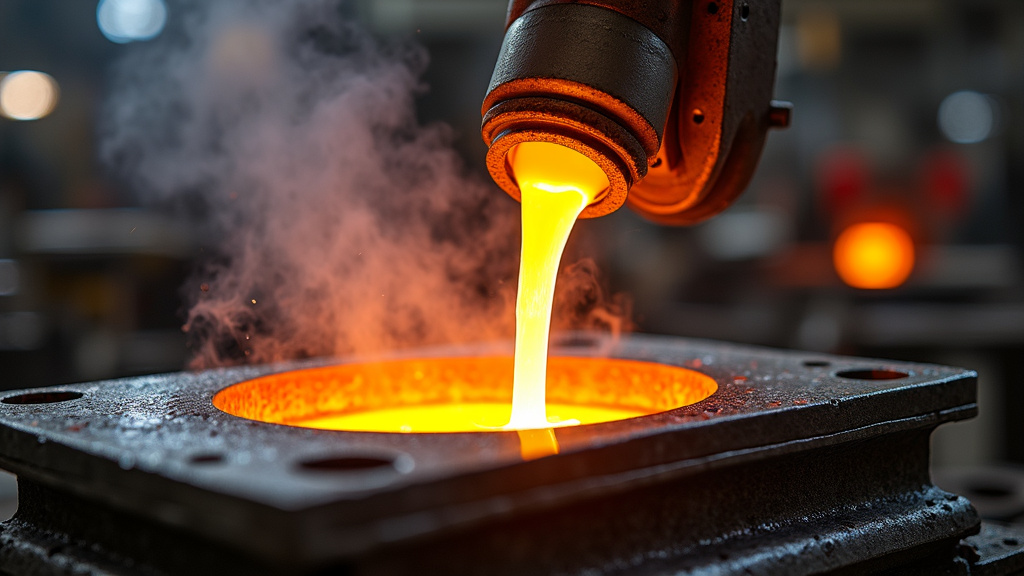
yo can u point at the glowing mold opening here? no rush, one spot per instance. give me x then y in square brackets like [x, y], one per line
[458, 394]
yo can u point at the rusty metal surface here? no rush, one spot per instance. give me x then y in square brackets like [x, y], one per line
[602, 59]
[721, 114]
[669, 19]
[568, 124]
[585, 77]
[691, 82]
[798, 464]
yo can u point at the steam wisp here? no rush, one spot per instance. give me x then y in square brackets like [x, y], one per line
[335, 222]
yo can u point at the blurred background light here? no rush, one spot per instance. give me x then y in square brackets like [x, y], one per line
[9, 277]
[744, 234]
[874, 255]
[818, 40]
[27, 95]
[123, 21]
[967, 117]
[21, 330]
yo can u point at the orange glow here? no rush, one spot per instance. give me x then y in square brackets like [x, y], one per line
[535, 443]
[557, 169]
[874, 255]
[556, 184]
[459, 394]
[455, 417]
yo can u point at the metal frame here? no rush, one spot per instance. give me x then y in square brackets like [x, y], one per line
[799, 464]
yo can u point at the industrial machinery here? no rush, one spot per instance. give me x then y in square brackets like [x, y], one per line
[671, 99]
[797, 464]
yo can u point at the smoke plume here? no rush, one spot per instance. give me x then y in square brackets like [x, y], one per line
[335, 222]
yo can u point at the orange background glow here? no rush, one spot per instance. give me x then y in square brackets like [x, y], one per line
[874, 255]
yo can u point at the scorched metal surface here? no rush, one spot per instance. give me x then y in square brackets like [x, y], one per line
[799, 464]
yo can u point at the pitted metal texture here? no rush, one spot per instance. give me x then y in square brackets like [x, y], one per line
[793, 447]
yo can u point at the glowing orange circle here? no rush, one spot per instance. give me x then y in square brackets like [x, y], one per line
[347, 396]
[874, 255]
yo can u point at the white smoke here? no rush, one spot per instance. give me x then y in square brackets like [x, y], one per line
[339, 223]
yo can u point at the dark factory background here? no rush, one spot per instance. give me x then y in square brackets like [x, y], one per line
[913, 107]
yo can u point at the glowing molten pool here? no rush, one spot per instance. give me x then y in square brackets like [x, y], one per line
[458, 394]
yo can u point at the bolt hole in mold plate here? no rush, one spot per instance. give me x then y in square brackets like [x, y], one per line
[42, 397]
[872, 374]
[781, 445]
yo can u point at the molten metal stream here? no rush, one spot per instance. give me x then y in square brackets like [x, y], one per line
[556, 183]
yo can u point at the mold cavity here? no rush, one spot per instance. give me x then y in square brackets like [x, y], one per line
[745, 11]
[459, 394]
[872, 374]
[42, 397]
[712, 8]
[817, 363]
[698, 116]
[348, 463]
